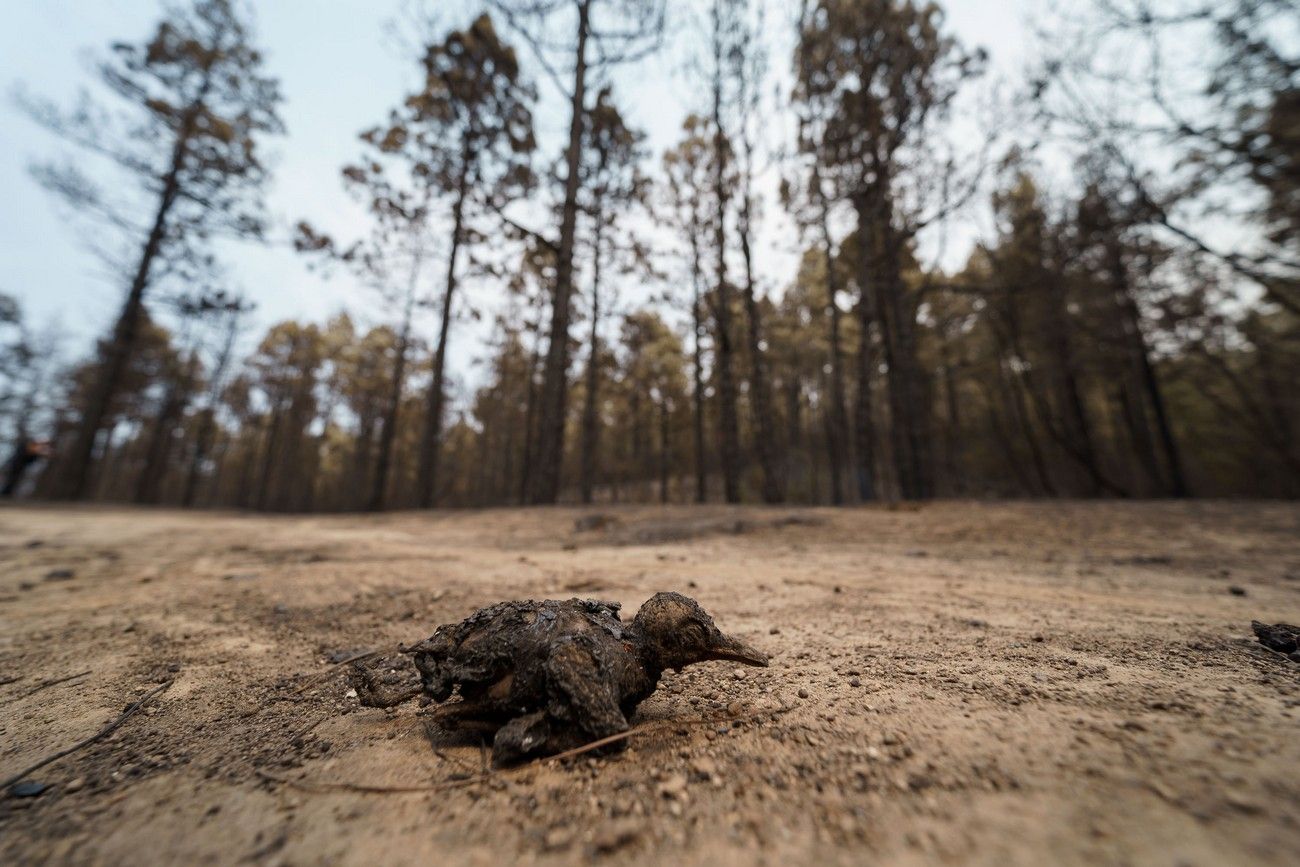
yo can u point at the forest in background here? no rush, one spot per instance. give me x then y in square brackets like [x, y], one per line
[1132, 330]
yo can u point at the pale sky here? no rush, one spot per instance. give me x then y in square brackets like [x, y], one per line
[340, 72]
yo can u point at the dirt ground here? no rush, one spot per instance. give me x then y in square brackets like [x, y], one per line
[1015, 683]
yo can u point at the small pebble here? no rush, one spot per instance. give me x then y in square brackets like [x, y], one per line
[803, 693]
[705, 767]
[558, 838]
[673, 787]
[615, 835]
[27, 789]
[1237, 591]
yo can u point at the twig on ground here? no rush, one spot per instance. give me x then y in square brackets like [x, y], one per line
[603, 742]
[45, 684]
[661, 724]
[319, 787]
[317, 679]
[453, 759]
[102, 733]
[486, 773]
[357, 657]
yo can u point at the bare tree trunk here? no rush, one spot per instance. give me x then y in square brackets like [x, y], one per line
[590, 419]
[953, 451]
[915, 398]
[555, 376]
[878, 284]
[665, 446]
[838, 426]
[362, 449]
[208, 421]
[1068, 428]
[158, 454]
[1078, 429]
[908, 398]
[388, 434]
[431, 445]
[761, 394]
[863, 408]
[1002, 435]
[1015, 394]
[245, 497]
[76, 464]
[274, 436]
[1150, 383]
[528, 468]
[1271, 428]
[638, 440]
[287, 493]
[222, 446]
[502, 483]
[313, 484]
[697, 314]
[729, 427]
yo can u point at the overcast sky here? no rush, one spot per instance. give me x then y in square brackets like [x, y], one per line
[340, 71]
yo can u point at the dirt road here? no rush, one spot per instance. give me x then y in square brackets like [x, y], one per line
[1023, 683]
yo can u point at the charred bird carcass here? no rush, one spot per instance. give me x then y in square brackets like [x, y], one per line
[550, 676]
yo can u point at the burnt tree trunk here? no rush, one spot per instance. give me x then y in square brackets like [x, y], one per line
[909, 403]
[1145, 368]
[431, 444]
[665, 450]
[1077, 426]
[773, 489]
[728, 424]
[555, 376]
[528, 466]
[591, 403]
[208, 421]
[76, 463]
[878, 284]
[837, 417]
[388, 433]
[954, 440]
[158, 454]
[697, 316]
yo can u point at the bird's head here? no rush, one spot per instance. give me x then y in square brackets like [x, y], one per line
[677, 632]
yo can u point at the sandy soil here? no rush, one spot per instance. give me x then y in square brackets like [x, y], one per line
[1023, 683]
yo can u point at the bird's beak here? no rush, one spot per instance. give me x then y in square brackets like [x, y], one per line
[735, 650]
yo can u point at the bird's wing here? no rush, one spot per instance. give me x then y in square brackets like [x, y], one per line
[581, 691]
